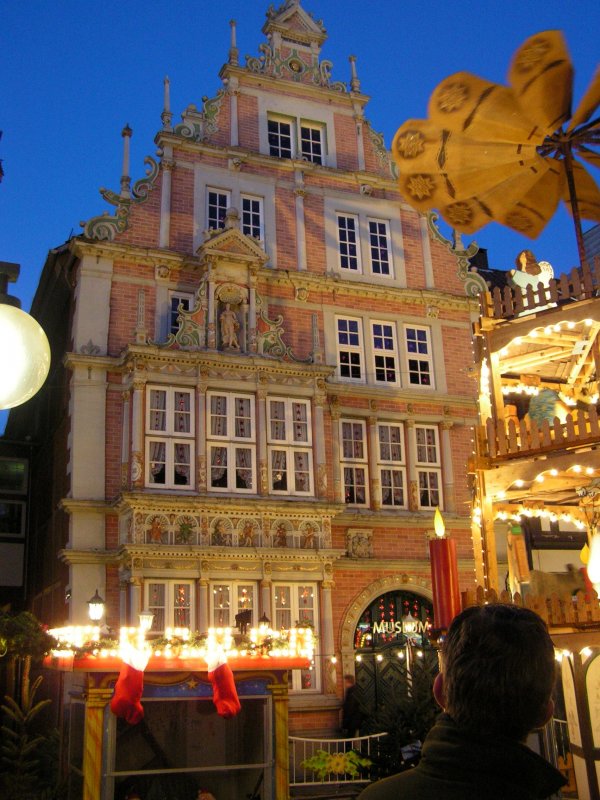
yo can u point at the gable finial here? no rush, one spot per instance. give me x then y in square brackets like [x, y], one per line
[166, 115]
[354, 82]
[125, 177]
[233, 50]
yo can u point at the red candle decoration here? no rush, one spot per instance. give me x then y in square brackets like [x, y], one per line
[444, 576]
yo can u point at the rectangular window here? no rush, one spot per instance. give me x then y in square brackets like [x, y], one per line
[379, 244]
[169, 437]
[354, 461]
[289, 424]
[171, 602]
[295, 605]
[228, 599]
[385, 356]
[217, 203]
[178, 300]
[311, 143]
[419, 359]
[392, 465]
[348, 242]
[252, 217]
[12, 518]
[350, 349]
[231, 442]
[13, 475]
[429, 473]
[280, 138]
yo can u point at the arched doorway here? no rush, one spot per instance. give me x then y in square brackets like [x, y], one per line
[395, 662]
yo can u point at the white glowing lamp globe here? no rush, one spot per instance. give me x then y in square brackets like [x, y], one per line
[24, 356]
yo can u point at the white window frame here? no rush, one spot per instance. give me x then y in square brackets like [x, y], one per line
[393, 463]
[426, 358]
[297, 677]
[227, 619]
[351, 352]
[348, 242]
[186, 300]
[382, 246]
[170, 606]
[169, 436]
[226, 195]
[305, 148]
[388, 334]
[279, 119]
[428, 466]
[289, 444]
[248, 226]
[354, 462]
[231, 443]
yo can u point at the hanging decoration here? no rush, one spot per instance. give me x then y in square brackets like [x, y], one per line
[507, 154]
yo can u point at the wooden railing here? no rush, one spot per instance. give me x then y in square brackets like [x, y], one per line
[581, 610]
[580, 284]
[520, 438]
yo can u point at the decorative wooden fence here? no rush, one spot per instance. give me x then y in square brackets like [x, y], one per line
[581, 610]
[516, 439]
[580, 284]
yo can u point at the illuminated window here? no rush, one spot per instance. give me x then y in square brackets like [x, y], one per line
[295, 605]
[289, 438]
[231, 442]
[171, 602]
[354, 462]
[169, 438]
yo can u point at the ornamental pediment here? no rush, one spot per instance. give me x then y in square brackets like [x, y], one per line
[232, 245]
[292, 20]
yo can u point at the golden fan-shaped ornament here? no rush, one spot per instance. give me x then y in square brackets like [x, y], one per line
[505, 153]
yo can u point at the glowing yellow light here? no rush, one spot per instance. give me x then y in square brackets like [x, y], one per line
[438, 523]
[540, 478]
[519, 483]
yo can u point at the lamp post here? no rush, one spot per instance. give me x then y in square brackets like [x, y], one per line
[146, 620]
[96, 607]
[444, 575]
[24, 348]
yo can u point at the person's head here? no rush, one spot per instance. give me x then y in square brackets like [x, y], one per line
[349, 679]
[497, 671]
[525, 259]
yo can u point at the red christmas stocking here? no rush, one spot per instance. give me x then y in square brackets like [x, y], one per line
[125, 702]
[225, 695]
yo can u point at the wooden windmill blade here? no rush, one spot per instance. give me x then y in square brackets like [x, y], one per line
[588, 103]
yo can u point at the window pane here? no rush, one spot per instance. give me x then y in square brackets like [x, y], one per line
[181, 605]
[301, 472]
[217, 206]
[306, 605]
[378, 240]
[279, 481]
[277, 414]
[348, 243]
[243, 468]
[283, 610]
[181, 463]
[251, 217]
[310, 143]
[182, 415]
[158, 464]
[243, 418]
[221, 602]
[245, 594]
[218, 467]
[158, 414]
[300, 417]
[280, 138]
[218, 415]
[156, 604]
[176, 301]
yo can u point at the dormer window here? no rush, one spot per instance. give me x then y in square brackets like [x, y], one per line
[280, 138]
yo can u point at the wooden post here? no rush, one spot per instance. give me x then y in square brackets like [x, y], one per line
[279, 692]
[96, 702]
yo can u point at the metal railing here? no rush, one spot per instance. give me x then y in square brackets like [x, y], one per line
[334, 757]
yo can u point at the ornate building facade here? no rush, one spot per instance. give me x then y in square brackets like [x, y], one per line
[261, 388]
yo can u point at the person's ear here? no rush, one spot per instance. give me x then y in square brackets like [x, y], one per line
[547, 714]
[438, 691]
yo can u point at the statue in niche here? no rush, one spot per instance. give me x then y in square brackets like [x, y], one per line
[229, 328]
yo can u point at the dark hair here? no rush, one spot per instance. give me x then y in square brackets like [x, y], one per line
[530, 260]
[499, 670]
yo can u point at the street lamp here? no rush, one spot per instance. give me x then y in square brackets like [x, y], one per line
[24, 348]
[96, 607]
[146, 620]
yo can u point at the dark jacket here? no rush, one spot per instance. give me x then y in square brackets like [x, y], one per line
[455, 766]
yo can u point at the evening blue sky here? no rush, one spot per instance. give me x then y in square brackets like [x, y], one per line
[73, 73]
